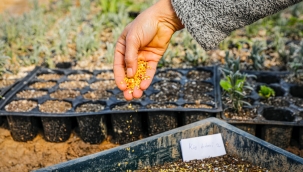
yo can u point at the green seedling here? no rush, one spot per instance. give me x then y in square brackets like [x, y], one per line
[257, 56]
[266, 92]
[296, 66]
[235, 86]
[231, 65]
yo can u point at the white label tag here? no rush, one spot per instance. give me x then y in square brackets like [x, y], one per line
[202, 147]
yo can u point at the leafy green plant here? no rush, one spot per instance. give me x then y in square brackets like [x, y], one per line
[86, 42]
[3, 59]
[296, 66]
[235, 86]
[232, 64]
[266, 92]
[256, 55]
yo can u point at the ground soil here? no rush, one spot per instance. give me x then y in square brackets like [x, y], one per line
[27, 156]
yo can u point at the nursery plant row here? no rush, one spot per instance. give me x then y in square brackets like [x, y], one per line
[60, 100]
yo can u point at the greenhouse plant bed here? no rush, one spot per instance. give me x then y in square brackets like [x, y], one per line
[165, 147]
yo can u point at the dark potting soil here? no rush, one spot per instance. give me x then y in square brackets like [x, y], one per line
[199, 75]
[51, 76]
[55, 106]
[221, 163]
[90, 107]
[159, 122]
[169, 92]
[65, 94]
[195, 106]
[28, 94]
[171, 75]
[297, 101]
[6, 83]
[105, 75]
[21, 106]
[97, 95]
[244, 114]
[80, 76]
[161, 106]
[127, 107]
[195, 91]
[73, 84]
[103, 85]
[43, 85]
[276, 101]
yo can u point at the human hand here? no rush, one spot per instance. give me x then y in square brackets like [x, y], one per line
[146, 39]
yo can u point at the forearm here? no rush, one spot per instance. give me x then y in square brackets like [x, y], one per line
[210, 21]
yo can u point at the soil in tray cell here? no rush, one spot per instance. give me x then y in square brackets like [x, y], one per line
[276, 101]
[43, 85]
[296, 91]
[198, 75]
[161, 106]
[126, 107]
[277, 135]
[97, 95]
[170, 74]
[244, 114]
[103, 85]
[126, 127]
[28, 94]
[297, 101]
[169, 92]
[220, 163]
[80, 76]
[197, 106]
[159, 122]
[190, 117]
[105, 75]
[21, 106]
[6, 83]
[56, 129]
[120, 96]
[73, 84]
[92, 128]
[55, 106]
[51, 76]
[65, 94]
[278, 114]
[195, 91]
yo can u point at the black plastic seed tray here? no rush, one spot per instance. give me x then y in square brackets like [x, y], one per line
[171, 90]
[275, 117]
[284, 109]
[56, 96]
[165, 147]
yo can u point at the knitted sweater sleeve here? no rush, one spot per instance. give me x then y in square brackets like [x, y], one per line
[210, 21]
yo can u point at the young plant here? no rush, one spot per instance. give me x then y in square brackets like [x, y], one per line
[266, 92]
[231, 65]
[235, 86]
[3, 59]
[296, 66]
[256, 56]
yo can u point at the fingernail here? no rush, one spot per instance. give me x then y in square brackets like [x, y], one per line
[129, 72]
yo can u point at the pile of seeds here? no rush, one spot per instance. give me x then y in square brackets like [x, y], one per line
[65, 94]
[29, 94]
[97, 95]
[81, 76]
[73, 84]
[90, 107]
[21, 106]
[140, 75]
[55, 106]
[51, 76]
[42, 85]
[221, 163]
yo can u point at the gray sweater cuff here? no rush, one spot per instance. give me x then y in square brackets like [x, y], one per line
[210, 21]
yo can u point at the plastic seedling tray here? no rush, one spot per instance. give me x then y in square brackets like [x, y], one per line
[80, 93]
[165, 147]
[278, 119]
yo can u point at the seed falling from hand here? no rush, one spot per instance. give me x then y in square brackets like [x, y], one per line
[140, 75]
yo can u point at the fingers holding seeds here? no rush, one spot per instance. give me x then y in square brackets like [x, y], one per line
[150, 73]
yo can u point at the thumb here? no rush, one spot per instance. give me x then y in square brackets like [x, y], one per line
[131, 54]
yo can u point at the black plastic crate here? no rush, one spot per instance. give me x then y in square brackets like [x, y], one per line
[165, 147]
[94, 93]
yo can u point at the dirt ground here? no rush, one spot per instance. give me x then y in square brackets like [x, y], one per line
[27, 156]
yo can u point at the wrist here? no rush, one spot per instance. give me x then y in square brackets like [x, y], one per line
[166, 13]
